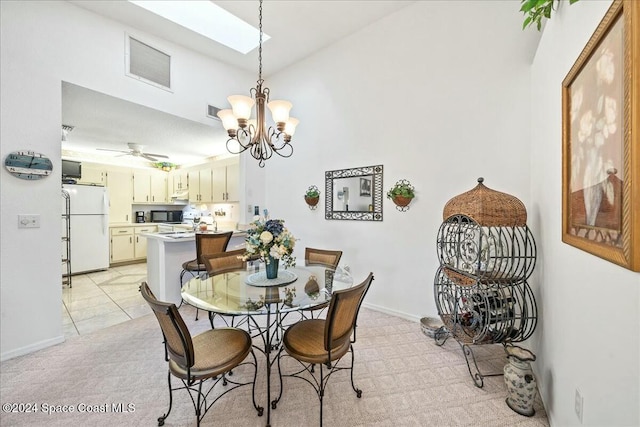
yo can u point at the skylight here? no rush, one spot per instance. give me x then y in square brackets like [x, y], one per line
[209, 20]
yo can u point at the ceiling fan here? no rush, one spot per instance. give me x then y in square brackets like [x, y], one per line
[136, 150]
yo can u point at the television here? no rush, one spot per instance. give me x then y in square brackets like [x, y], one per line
[71, 169]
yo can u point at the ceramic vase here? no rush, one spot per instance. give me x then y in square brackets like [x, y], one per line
[520, 381]
[272, 268]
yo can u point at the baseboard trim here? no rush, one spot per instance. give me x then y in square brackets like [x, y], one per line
[385, 310]
[31, 348]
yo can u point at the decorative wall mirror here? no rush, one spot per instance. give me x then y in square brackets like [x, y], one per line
[354, 193]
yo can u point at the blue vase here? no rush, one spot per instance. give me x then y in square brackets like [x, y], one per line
[272, 268]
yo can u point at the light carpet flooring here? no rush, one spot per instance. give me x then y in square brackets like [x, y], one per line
[406, 380]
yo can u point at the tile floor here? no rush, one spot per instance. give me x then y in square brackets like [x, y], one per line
[104, 298]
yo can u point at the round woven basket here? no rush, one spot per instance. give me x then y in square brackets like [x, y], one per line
[487, 207]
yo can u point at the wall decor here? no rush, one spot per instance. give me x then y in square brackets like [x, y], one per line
[343, 194]
[312, 197]
[402, 193]
[28, 165]
[600, 147]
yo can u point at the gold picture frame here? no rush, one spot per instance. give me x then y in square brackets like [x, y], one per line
[600, 146]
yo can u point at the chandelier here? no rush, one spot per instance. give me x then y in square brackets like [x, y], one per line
[252, 134]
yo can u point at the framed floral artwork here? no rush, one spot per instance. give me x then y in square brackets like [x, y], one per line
[600, 146]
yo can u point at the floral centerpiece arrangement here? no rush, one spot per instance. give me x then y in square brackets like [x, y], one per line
[270, 241]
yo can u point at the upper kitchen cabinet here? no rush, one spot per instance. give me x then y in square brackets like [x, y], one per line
[119, 184]
[177, 181]
[93, 174]
[200, 185]
[226, 177]
[149, 187]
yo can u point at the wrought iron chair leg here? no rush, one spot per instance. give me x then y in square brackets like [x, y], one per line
[199, 405]
[164, 417]
[321, 391]
[260, 409]
[353, 386]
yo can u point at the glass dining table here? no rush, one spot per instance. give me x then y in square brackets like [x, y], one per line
[266, 305]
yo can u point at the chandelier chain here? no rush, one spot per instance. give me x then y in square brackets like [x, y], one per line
[260, 45]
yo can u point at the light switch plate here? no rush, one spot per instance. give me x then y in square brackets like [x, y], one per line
[28, 221]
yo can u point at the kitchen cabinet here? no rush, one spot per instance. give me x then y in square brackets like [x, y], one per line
[200, 185]
[178, 181]
[93, 174]
[122, 245]
[226, 179]
[127, 244]
[149, 187]
[159, 188]
[119, 184]
[140, 242]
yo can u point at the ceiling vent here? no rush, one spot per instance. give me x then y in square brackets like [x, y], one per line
[148, 64]
[212, 112]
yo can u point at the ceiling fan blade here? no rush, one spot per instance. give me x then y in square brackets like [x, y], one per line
[149, 157]
[117, 151]
[157, 155]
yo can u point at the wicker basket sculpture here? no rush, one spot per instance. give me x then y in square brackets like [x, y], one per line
[486, 253]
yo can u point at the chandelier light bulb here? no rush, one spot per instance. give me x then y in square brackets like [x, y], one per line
[290, 127]
[229, 121]
[280, 110]
[241, 106]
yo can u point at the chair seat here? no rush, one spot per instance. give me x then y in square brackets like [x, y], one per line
[305, 341]
[193, 265]
[216, 351]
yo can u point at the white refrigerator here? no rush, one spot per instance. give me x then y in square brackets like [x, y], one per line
[89, 227]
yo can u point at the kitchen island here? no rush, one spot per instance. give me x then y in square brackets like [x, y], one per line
[165, 254]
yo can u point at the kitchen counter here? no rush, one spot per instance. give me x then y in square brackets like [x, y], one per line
[165, 254]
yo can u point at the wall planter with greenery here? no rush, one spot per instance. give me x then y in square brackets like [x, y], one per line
[402, 194]
[312, 196]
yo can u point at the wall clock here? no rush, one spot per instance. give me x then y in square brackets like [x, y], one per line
[28, 165]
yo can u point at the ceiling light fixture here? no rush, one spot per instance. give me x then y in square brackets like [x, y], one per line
[253, 134]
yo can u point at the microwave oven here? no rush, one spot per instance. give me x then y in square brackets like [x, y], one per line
[166, 216]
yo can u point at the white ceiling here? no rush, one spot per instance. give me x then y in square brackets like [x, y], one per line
[102, 121]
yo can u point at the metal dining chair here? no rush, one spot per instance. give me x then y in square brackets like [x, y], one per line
[220, 263]
[324, 342]
[206, 244]
[209, 356]
[324, 257]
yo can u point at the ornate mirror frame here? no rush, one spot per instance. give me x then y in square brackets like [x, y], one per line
[374, 212]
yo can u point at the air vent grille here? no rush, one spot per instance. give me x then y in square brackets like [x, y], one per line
[149, 63]
[213, 112]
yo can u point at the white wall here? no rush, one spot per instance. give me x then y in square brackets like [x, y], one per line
[437, 93]
[43, 44]
[589, 336]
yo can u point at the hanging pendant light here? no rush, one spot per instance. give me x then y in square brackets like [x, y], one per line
[252, 134]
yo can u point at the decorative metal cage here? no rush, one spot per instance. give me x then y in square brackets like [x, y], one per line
[478, 253]
[487, 312]
[486, 253]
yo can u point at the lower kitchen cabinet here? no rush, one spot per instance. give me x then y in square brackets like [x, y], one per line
[122, 246]
[128, 245]
[140, 242]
